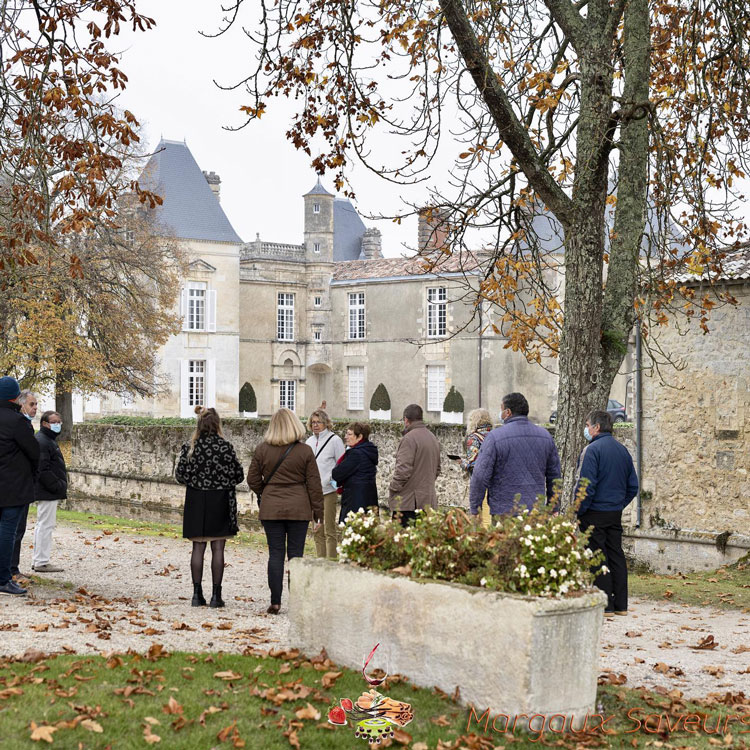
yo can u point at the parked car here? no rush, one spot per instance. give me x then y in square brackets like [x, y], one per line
[615, 408]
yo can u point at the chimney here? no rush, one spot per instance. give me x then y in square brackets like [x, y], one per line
[214, 182]
[372, 244]
[432, 229]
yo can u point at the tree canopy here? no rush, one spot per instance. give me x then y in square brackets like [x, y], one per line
[598, 150]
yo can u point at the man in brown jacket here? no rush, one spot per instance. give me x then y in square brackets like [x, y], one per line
[417, 466]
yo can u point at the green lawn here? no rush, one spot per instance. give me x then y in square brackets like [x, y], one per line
[725, 588]
[214, 701]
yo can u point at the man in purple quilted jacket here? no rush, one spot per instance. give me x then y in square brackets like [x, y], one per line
[517, 458]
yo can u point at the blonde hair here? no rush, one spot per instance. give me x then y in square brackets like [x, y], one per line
[477, 418]
[284, 428]
[323, 417]
[209, 423]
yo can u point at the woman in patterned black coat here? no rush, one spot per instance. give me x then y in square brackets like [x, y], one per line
[209, 467]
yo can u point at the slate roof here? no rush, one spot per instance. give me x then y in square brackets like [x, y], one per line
[190, 209]
[318, 189]
[385, 268]
[348, 229]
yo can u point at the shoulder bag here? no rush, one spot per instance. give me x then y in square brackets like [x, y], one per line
[273, 471]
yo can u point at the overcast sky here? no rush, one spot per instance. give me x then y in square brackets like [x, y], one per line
[171, 70]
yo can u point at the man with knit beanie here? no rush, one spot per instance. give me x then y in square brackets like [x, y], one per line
[19, 460]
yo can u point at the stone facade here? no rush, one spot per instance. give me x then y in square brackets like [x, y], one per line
[696, 428]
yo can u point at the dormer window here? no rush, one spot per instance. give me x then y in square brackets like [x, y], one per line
[316, 208]
[316, 247]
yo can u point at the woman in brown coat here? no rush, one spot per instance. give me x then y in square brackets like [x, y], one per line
[285, 477]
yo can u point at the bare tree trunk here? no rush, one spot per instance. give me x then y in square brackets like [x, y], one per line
[64, 406]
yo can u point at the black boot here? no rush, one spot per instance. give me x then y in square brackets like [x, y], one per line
[216, 600]
[198, 598]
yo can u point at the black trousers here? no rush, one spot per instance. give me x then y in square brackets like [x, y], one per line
[285, 539]
[407, 516]
[606, 536]
[15, 559]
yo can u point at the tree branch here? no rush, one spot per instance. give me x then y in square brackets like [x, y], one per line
[568, 19]
[511, 131]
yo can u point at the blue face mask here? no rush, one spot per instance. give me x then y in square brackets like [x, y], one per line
[587, 434]
[56, 427]
[29, 417]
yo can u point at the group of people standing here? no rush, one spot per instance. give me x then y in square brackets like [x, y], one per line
[32, 469]
[296, 483]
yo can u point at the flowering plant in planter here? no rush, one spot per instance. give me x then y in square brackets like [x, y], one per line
[536, 552]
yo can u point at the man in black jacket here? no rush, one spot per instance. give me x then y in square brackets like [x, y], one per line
[29, 404]
[19, 459]
[51, 486]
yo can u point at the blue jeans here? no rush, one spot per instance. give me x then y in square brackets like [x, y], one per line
[9, 518]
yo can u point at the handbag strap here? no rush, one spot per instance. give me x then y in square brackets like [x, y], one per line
[278, 463]
[330, 437]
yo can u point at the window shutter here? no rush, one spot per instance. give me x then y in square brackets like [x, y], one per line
[184, 308]
[185, 408]
[211, 310]
[210, 383]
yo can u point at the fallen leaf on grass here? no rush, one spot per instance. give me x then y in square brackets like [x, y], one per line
[228, 675]
[42, 733]
[439, 721]
[402, 737]
[309, 712]
[149, 736]
[172, 706]
[329, 679]
[92, 726]
[668, 594]
[5, 694]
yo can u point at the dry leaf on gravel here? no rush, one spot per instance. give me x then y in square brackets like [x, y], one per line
[706, 644]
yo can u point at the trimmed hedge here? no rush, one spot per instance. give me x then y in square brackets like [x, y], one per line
[454, 401]
[248, 402]
[380, 400]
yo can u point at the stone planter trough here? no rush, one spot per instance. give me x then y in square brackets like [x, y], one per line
[507, 653]
[382, 414]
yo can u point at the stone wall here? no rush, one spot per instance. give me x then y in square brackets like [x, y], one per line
[133, 466]
[696, 427]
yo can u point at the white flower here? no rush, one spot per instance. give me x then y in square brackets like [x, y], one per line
[540, 570]
[563, 572]
[527, 528]
[527, 542]
[576, 554]
[549, 550]
[483, 582]
[553, 573]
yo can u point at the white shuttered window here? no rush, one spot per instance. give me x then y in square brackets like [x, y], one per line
[435, 387]
[356, 315]
[287, 394]
[285, 317]
[356, 388]
[436, 311]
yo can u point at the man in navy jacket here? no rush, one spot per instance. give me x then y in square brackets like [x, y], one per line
[612, 484]
[519, 458]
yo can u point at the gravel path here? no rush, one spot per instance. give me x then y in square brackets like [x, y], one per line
[121, 591]
[125, 591]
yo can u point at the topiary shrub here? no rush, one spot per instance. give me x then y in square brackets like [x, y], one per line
[380, 400]
[454, 401]
[248, 402]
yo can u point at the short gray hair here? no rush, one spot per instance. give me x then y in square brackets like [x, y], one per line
[23, 395]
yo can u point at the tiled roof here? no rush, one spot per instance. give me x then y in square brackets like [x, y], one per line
[190, 209]
[735, 267]
[383, 268]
